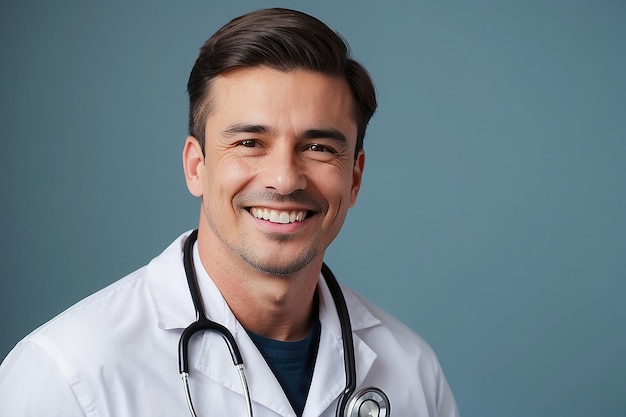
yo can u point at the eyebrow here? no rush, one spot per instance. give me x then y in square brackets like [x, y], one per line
[237, 128]
[333, 134]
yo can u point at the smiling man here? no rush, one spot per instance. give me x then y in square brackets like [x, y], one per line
[278, 113]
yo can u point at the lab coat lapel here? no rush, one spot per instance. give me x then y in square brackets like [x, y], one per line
[329, 376]
[214, 362]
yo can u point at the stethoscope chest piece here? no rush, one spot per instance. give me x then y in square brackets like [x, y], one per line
[369, 402]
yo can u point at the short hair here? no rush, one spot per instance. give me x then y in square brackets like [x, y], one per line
[284, 40]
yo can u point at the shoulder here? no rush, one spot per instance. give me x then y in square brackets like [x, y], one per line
[96, 315]
[404, 362]
[120, 310]
[102, 345]
[388, 334]
[53, 362]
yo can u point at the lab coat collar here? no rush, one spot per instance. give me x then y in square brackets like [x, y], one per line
[168, 287]
[174, 308]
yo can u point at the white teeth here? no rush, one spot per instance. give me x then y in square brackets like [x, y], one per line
[276, 216]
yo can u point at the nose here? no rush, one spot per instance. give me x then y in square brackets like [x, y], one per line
[283, 171]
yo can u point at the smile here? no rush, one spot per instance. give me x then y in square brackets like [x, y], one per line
[277, 216]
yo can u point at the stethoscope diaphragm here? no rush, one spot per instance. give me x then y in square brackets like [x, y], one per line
[369, 402]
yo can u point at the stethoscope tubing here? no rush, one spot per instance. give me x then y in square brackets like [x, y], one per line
[202, 323]
[349, 359]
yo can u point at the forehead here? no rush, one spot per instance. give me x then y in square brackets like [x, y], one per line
[287, 99]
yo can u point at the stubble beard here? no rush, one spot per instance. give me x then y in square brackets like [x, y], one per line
[266, 263]
[277, 266]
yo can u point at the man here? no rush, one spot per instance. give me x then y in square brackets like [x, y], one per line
[278, 112]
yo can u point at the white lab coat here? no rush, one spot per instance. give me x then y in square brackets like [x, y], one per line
[115, 354]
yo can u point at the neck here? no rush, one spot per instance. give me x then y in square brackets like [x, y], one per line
[279, 308]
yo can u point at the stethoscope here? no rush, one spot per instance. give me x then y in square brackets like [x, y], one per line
[367, 402]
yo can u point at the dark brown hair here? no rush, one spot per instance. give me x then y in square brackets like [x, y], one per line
[281, 39]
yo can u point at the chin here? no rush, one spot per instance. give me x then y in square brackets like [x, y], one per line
[283, 267]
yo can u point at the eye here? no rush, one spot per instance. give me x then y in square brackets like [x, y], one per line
[248, 143]
[316, 147]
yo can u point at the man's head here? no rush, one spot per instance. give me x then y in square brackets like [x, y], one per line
[278, 116]
[284, 40]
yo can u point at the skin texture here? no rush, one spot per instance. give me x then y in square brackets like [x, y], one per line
[281, 141]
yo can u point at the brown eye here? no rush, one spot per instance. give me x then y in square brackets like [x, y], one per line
[248, 143]
[316, 147]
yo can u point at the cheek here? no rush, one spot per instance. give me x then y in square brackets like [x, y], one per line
[339, 193]
[223, 183]
[226, 176]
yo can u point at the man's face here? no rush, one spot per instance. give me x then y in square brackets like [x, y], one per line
[279, 173]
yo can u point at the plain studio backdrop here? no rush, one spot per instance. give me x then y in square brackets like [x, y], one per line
[492, 215]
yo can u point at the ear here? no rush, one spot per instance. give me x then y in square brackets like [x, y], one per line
[193, 165]
[357, 175]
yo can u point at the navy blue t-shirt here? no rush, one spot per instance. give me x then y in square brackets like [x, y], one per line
[292, 363]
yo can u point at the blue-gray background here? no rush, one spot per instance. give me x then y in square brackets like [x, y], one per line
[491, 219]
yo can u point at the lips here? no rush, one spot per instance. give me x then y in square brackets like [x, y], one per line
[278, 216]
